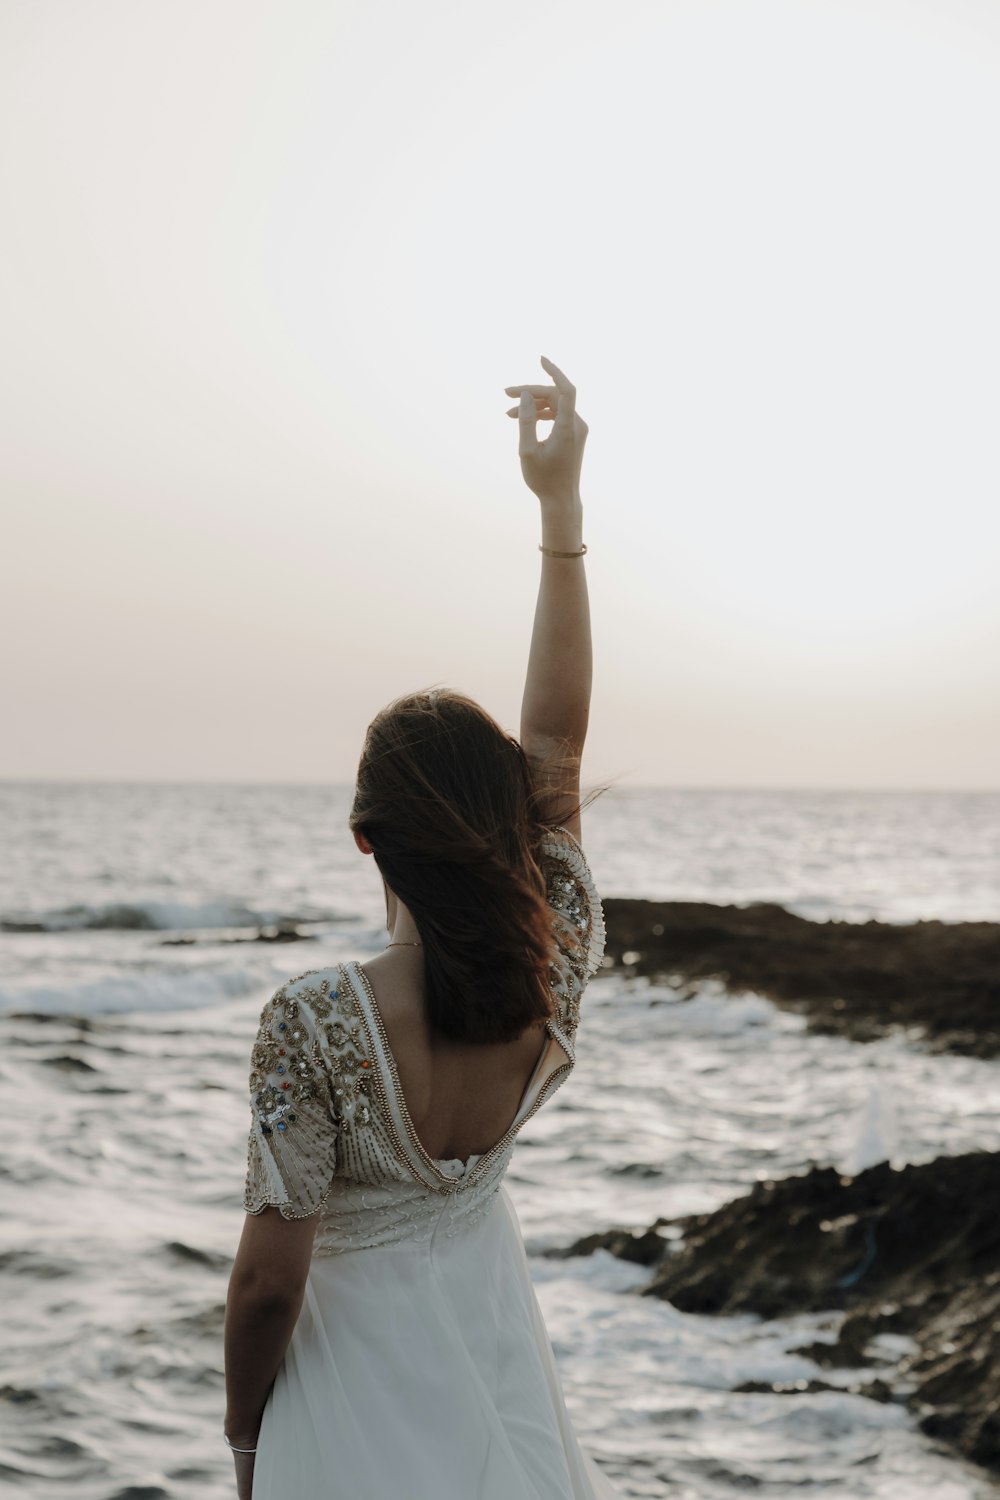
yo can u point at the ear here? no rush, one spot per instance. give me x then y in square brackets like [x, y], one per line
[362, 842]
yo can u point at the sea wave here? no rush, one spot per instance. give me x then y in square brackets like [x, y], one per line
[158, 916]
[187, 988]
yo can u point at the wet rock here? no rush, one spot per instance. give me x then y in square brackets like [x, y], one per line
[914, 1252]
[284, 932]
[281, 932]
[875, 1390]
[860, 979]
[823, 1240]
[644, 1249]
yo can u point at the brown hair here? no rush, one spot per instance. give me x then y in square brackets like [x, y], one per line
[445, 798]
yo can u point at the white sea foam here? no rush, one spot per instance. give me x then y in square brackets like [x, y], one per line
[186, 988]
[156, 916]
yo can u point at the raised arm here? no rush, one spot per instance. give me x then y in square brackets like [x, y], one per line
[556, 704]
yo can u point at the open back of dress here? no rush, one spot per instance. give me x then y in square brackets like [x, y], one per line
[420, 1367]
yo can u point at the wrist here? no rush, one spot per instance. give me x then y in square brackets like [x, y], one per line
[240, 1439]
[562, 523]
[561, 500]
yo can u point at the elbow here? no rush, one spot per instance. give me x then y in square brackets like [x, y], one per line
[260, 1298]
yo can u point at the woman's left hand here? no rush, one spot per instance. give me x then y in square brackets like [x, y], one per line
[244, 1475]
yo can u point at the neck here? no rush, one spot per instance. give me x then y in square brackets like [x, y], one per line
[398, 921]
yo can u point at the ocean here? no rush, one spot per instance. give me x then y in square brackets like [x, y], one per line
[130, 989]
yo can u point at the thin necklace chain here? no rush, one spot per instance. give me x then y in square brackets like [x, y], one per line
[404, 945]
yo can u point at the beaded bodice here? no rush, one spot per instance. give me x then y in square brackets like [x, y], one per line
[330, 1132]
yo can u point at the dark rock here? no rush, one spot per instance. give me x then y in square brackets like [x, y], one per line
[284, 932]
[914, 1252]
[826, 1241]
[645, 1249]
[875, 1390]
[859, 979]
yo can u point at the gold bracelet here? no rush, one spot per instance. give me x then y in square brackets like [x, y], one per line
[549, 552]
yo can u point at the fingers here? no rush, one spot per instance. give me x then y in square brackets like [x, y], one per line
[557, 403]
[563, 382]
[567, 397]
[545, 410]
[545, 406]
[527, 417]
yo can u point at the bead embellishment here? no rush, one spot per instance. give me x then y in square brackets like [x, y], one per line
[297, 1074]
[331, 1134]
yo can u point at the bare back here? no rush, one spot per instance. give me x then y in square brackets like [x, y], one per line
[461, 1096]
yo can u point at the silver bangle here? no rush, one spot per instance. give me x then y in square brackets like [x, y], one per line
[238, 1450]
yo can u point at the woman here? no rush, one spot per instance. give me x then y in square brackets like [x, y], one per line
[383, 1340]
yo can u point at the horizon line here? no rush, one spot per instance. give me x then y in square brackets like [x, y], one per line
[650, 786]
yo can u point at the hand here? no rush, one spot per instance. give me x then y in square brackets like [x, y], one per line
[244, 1475]
[551, 469]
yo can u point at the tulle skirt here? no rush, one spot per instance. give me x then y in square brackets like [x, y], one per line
[423, 1371]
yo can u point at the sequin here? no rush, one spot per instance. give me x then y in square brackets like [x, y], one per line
[329, 1123]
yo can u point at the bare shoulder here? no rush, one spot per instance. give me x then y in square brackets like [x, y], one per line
[396, 979]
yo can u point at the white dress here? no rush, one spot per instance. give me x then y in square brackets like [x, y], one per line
[420, 1367]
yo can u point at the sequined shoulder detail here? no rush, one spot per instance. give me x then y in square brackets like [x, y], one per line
[572, 893]
[347, 1051]
[578, 925]
[292, 1145]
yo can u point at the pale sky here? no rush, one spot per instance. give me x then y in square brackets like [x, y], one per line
[267, 265]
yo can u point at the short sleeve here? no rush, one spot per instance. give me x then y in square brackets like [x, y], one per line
[578, 921]
[292, 1146]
